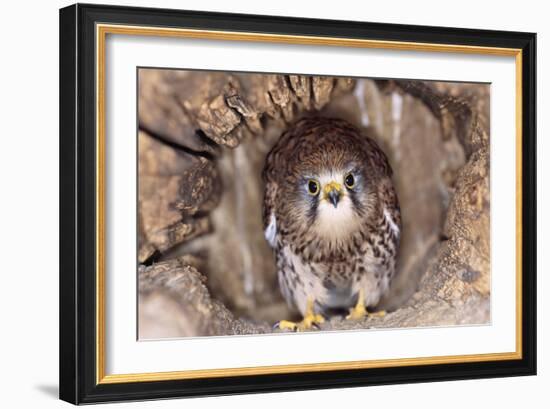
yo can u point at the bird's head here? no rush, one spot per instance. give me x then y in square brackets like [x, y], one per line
[327, 175]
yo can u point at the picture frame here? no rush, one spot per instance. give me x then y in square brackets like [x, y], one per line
[83, 218]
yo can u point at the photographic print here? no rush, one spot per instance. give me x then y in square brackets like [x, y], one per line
[237, 202]
[288, 203]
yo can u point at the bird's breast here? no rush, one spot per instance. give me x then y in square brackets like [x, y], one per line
[329, 285]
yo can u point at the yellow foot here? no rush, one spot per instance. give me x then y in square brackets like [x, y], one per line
[357, 314]
[359, 311]
[381, 313]
[310, 320]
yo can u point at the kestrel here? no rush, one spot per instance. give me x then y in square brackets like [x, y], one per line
[332, 216]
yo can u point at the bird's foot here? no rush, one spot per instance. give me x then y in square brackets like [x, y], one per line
[310, 320]
[357, 313]
[381, 313]
[360, 312]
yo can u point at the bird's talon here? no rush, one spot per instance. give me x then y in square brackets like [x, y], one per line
[311, 320]
[286, 325]
[381, 313]
[316, 320]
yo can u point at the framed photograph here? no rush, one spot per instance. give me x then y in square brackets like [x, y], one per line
[257, 203]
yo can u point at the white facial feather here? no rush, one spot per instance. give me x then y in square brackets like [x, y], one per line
[335, 223]
[270, 232]
[328, 177]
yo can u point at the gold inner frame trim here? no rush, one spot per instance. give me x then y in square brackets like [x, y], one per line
[101, 32]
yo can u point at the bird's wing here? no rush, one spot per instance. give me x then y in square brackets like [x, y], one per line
[269, 207]
[269, 218]
[390, 205]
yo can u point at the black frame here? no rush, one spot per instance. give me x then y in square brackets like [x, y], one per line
[77, 204]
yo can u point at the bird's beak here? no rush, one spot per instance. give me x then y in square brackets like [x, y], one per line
[333, 192]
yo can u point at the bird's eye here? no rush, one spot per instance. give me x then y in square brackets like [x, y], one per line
[313, 187]
[349, 180]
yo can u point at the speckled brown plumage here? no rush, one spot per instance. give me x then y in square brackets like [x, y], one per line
[331, 237]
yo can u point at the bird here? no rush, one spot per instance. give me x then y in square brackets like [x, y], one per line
[332, 217]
